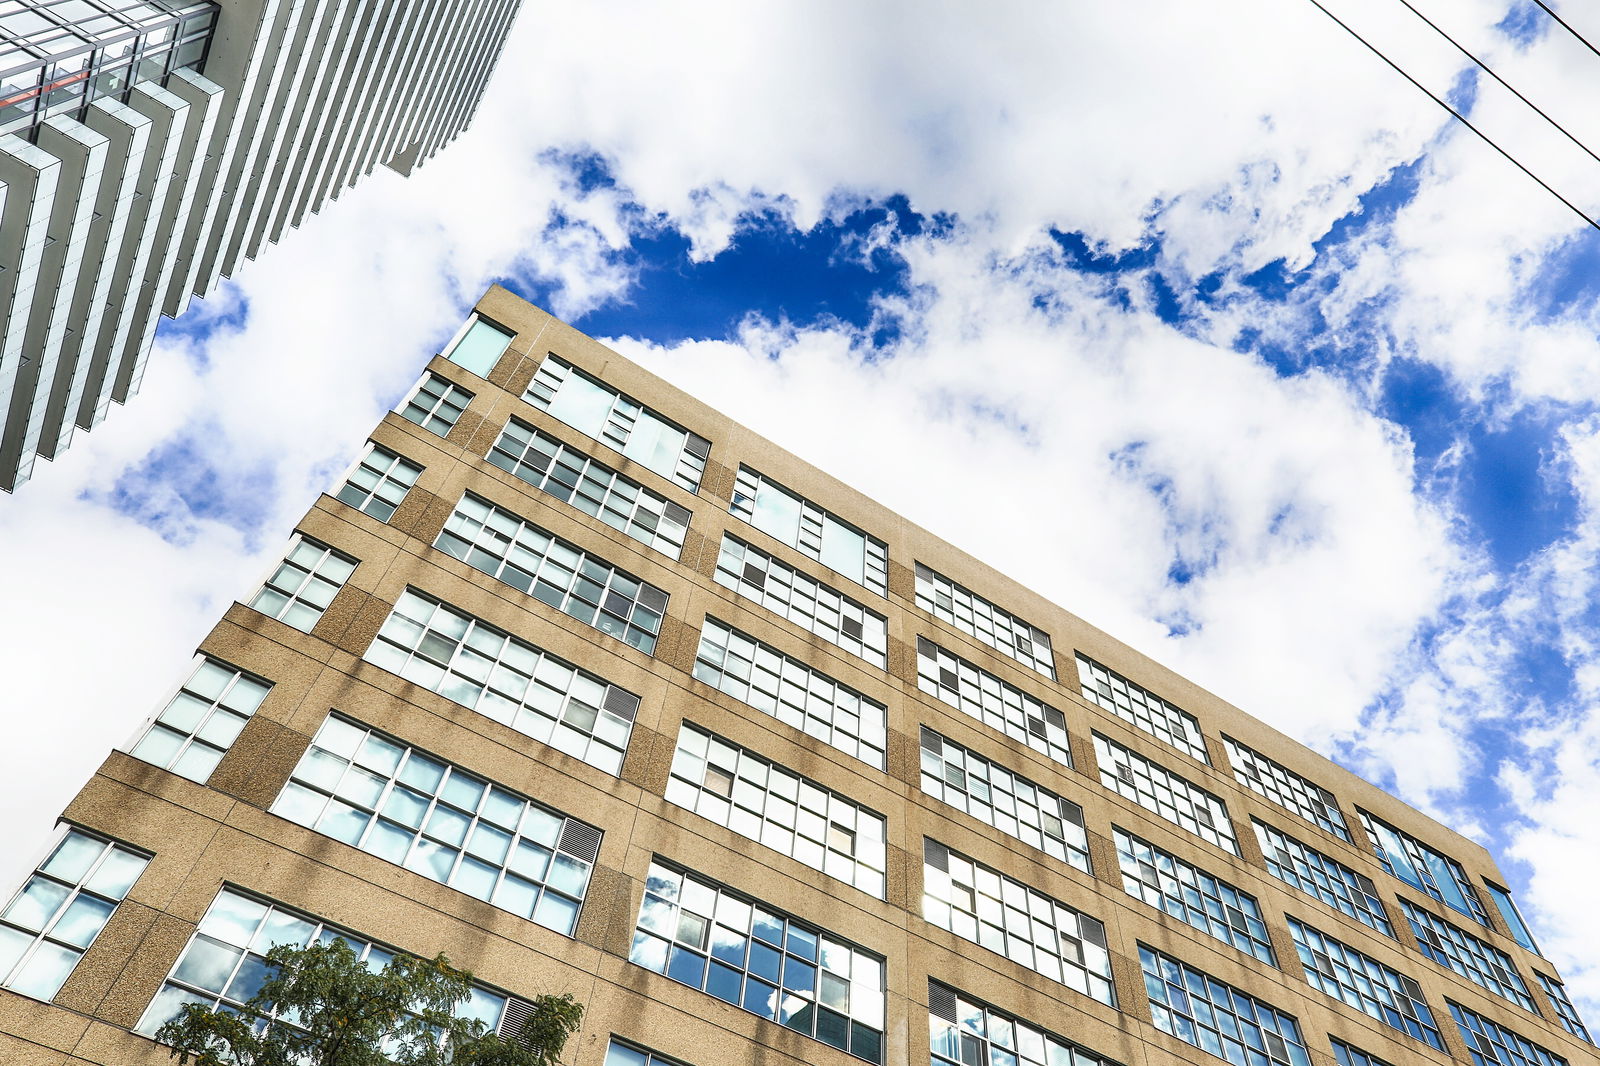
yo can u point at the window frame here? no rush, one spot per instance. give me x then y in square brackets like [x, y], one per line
[580, 841]
[473, 319]
[42, 937]
[759, 790]
[198, 662]
[346, 480]
[294, 599]
[811, 529]
[450, 389]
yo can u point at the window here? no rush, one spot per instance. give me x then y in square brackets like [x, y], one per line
[1365, 984]
[963, 1031]
[1419, 866]
[447, 651]
[814, 607]
[1508, 910]
[554, 572]
[971, 613]
[996, 703]
[1481, 963]
[816, 533]
[1286, 788]
[1009, 918]
[620, 1054]
[758, 799]
[225, 961]
[1566, 1013]
[792, 692]
[1218, 1018]
[596, 409]
[997, 797]
[200, 723]
[1350, 1055]
[379, 483]
[393, 801]
[304, 584]
[591, 487]
[1191, 895]
[1141, 708]
[436, 404]
[479, 346]
[1492, 1044]
[1320, 877]
[53, 918]
[757, 958]
[1132, 776]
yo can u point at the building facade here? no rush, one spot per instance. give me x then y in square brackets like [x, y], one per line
[576, 680]
[147, 147]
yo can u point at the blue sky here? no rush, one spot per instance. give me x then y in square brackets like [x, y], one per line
[1208, 327]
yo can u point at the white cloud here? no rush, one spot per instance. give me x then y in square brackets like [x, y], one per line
[1102, 446]
[1043, 428]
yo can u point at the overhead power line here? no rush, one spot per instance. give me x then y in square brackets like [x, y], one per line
[1548, 10]
[1459, 117]
[1508, 86]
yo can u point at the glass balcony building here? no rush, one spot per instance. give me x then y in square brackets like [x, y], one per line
[149, 147]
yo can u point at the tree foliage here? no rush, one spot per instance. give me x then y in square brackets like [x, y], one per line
[321, 1006]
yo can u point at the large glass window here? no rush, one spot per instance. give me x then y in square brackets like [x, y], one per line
[791, 814]
[1364, 983]
[1287, 789]
[1566, 1013]
[801, 524]
[479, 347]
[356, 785]
[1479, 962]
[554, 572]
[1000, 913]
[965, 1032]
[448, 651]
[592, 407]
[53, 918]
[995, 796]
[1191, 895]
[792, 692]
[200, 723]
[436, 404]
[1492, 1044]
[995, 626]
[225, 960]
[1160, 791]
[303, 585]
[814, 607]
[1419, 866]
[1141, 708]
[1508, 910]
[993, 701]
[1323, 878]
[380, 481]
[591, 487]
[706, 936]
[1217, 1018]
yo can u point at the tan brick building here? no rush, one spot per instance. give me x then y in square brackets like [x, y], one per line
[578, 681]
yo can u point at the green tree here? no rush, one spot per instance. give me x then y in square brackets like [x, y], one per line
[321, 1006]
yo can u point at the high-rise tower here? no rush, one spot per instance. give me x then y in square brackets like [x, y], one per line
[578, 681]
[148, 146]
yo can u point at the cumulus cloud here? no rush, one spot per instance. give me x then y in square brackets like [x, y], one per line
[1112, 451]
[1260, 526]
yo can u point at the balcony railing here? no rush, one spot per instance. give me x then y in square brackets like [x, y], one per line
[59, 56]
